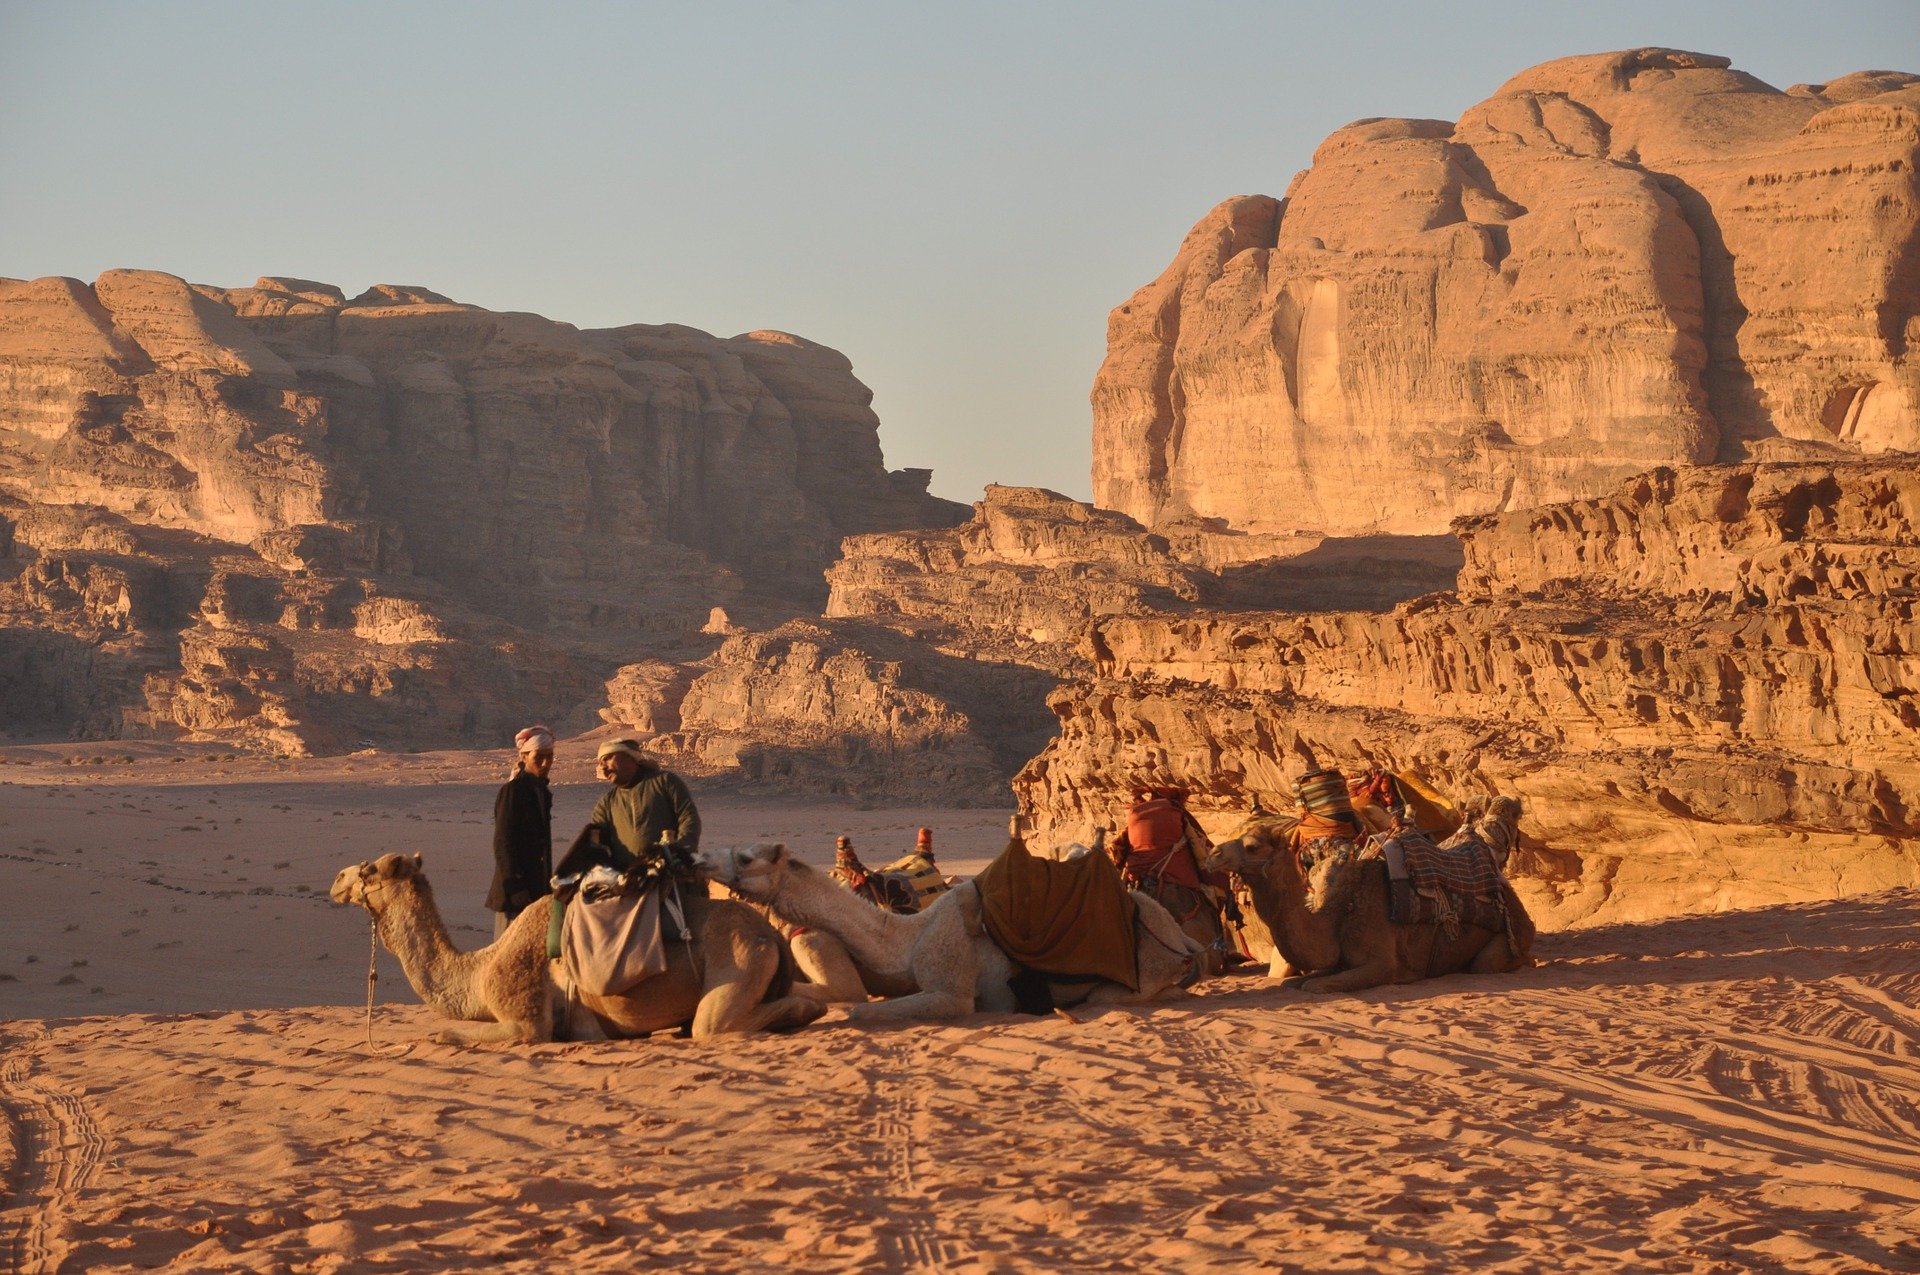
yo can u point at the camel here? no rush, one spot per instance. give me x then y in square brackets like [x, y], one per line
[829, 972]
[736, 979]
[945, 952]
[1336, 928]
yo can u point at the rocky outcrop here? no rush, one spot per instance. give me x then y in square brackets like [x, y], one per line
[276, 513]
[112, 630]
[1616, 262]
[1702, 694]
[842, 707]
[1024, 577]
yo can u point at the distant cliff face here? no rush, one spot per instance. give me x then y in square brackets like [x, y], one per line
[523, 463]
[1615, 262]
[276, 513]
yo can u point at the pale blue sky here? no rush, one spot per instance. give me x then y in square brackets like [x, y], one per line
[953, 196]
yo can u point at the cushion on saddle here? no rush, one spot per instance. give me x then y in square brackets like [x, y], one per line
[920, 876]
[613, 940]
[1072, 918]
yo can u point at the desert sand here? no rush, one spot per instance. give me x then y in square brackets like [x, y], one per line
[189, 1084]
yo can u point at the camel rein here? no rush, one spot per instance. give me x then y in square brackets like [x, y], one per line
[373, 969]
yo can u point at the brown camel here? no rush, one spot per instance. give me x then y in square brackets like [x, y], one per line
[1336, 927]
[737, 978]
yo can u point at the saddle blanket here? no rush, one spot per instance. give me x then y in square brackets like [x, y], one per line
[613, 940]
[1453, 886]
[1467, 868]
[1071, 918]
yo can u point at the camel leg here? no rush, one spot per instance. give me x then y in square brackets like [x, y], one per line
[831, 975]
[582, 1024]
[1495, 958]
[738, 976]
[1354, 980]
[917, 1007]
[517, 1033]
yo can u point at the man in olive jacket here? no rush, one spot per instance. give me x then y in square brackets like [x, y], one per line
[646, 799]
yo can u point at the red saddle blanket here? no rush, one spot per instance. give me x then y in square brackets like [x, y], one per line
[1071, 918]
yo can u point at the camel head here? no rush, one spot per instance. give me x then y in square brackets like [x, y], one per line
[754, 872]
[1249, 850]
[365, 884]
[1504, 810]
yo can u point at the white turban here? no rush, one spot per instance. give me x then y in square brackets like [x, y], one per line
[534, 739]
[627, 747]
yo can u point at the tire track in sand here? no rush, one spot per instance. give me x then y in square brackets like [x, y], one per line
[57, 1147]
[917, 1243]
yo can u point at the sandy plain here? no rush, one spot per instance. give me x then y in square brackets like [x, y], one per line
[188, 1083]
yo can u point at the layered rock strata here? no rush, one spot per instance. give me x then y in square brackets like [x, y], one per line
[1028, 572]
[372, 498]
[1706, 687]
[1616, 262]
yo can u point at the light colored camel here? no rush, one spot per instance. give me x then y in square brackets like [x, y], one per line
[1337, 927]
[945, 952]
[831, 975]
[736, 982]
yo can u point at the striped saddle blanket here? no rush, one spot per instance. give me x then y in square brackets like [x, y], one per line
[1453, 886]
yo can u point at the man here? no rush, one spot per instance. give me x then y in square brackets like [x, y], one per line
[646, 800]
[522, 830]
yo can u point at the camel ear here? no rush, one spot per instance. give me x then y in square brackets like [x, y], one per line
[368, 869]
[773, 852]
[419, 863]
[397, 866]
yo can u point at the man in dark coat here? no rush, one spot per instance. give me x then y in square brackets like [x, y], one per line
[523, 830]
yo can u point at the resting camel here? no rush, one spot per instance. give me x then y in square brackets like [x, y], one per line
[1337, 924]
[737, 979]
[945, 952]
[831, 974]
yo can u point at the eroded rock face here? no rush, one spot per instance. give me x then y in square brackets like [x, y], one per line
[1025, 573]
[1031, 569]
[1616, 262]
[279, 514]
[842, 707]
[1705, 686]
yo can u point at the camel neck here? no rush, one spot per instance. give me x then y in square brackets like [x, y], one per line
[807, 897]
[1308, 939]
[410, 927]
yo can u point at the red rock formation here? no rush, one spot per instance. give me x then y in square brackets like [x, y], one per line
[1706, 686]
[1615, 262]
[279, 515]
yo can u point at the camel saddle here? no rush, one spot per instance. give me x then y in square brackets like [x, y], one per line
[1451, 887]
[614, 934]
[1068, 918]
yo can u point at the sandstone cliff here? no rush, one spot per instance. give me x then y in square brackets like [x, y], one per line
[1030, 570]
[274, 513]
[1616, 262]
[1706, 686]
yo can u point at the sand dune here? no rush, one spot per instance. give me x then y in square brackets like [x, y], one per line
[1723, 1093]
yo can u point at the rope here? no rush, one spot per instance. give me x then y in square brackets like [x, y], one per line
[373, 971]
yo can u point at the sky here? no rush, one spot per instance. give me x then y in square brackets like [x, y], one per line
[954, 196]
